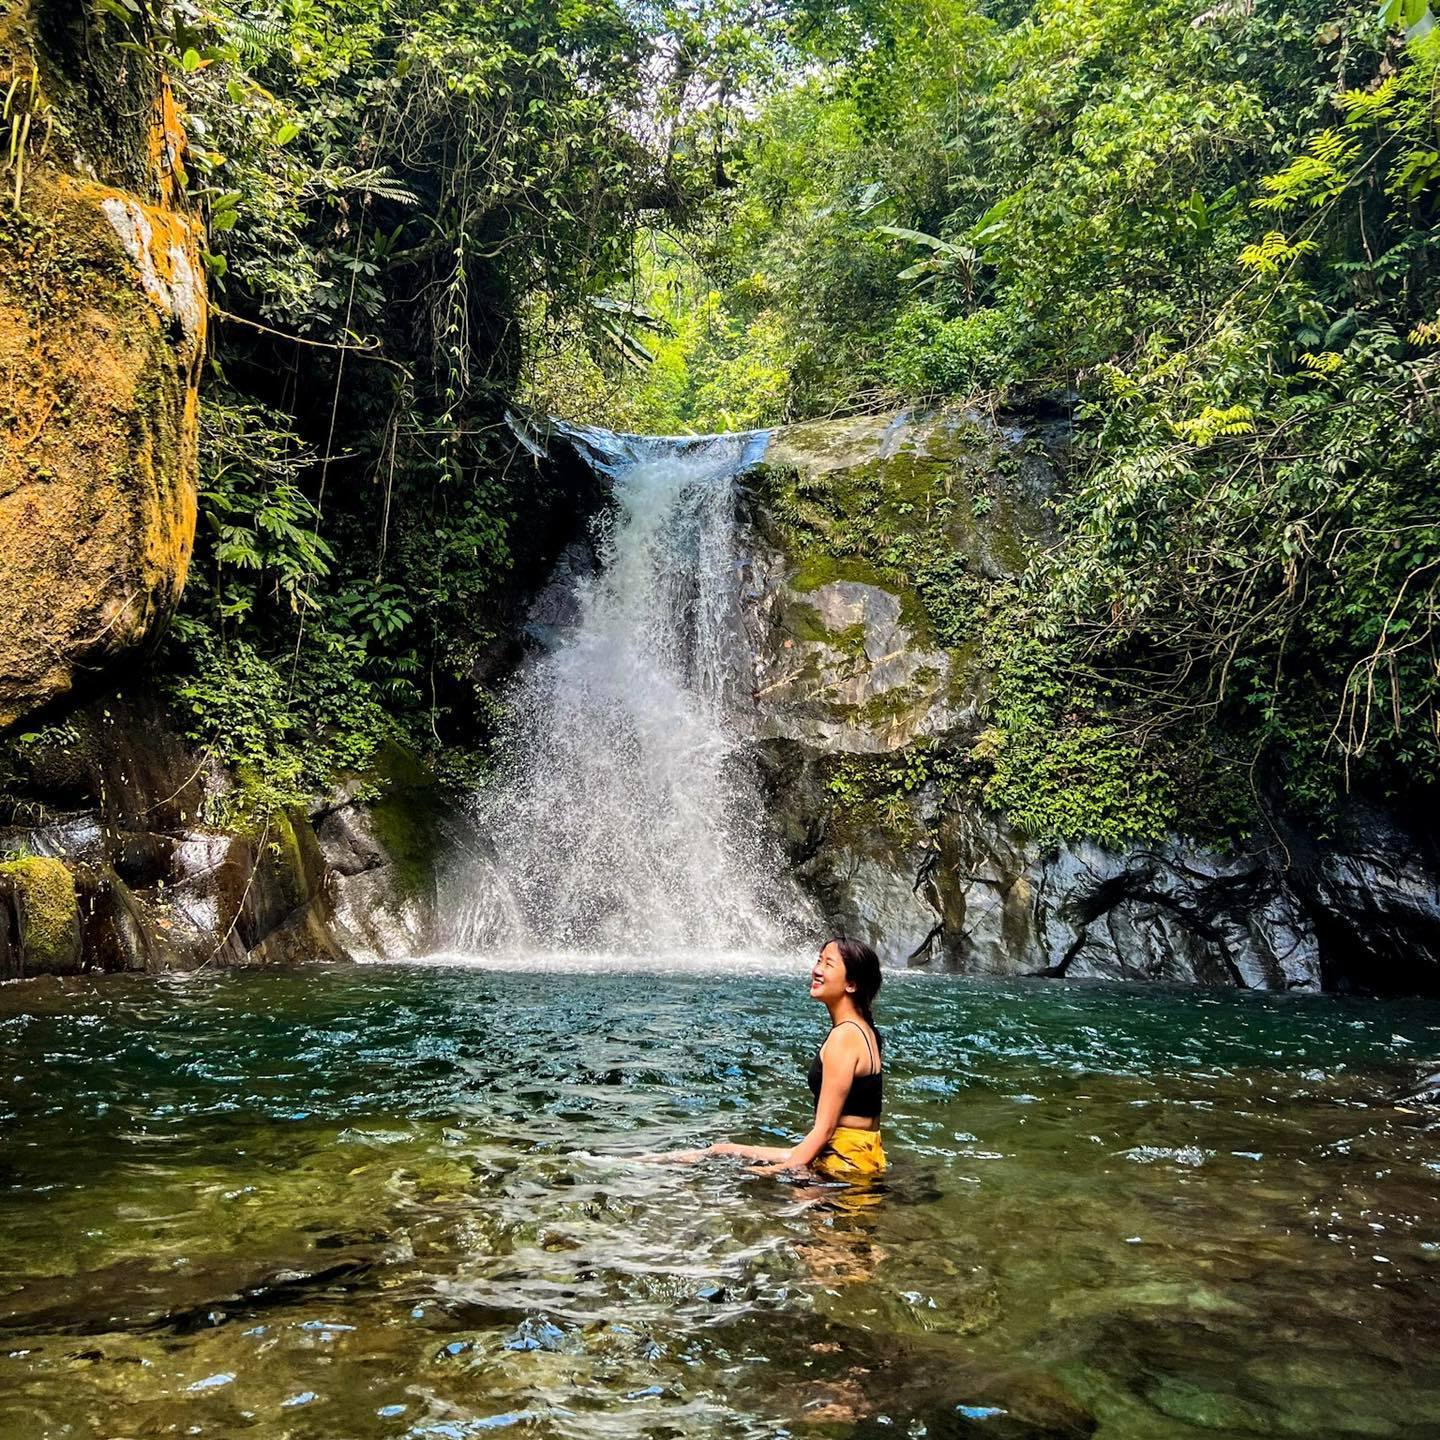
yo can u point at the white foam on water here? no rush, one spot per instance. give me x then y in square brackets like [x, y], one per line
[733, 963]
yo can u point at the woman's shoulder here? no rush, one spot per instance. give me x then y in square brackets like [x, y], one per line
[850, 1035]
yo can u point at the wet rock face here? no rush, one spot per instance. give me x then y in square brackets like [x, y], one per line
[383, 858]
[963, 890]
[844, 658]
[110, 816]
[960, 888]
[846, 671]
[102, 328]
[1375, 894]
[1172, 914]
[554, 610]
[119, 869]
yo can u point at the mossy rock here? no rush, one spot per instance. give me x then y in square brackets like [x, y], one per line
[102, 332]
[940, 511]
[914, 502]
[406, 821]
[39, 895]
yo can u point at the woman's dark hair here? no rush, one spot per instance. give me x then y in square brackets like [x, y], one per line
[862, 970]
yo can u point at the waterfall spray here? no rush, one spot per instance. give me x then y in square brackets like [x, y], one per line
[626, 814]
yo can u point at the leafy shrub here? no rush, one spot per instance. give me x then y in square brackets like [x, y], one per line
[1060, 766]
[286, 724]
[928, 354]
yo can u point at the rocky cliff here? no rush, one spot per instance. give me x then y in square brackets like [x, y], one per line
[120, 850]
[102, 327]
[114, 867]
[114, 863]
[863, 712]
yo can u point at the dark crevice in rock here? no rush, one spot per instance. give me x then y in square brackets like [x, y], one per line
[922, 952]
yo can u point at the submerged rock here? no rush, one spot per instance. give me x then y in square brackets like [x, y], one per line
[1425, 1090]
[143, 1295]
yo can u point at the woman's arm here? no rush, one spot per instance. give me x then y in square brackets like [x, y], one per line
[770, 1154]
[839, 1060]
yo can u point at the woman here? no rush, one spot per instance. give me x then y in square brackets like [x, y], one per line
[845, 1076]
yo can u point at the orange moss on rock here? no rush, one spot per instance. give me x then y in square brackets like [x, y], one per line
[102, 331]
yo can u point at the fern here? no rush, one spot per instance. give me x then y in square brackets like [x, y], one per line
[1274, 251]
[256, 41]
[1365, 106]
[1314, 177]
[1216, 422]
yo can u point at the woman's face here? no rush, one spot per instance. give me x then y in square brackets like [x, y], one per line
[827, 976]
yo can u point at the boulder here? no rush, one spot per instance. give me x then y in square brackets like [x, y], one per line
[118, 934]
[844, 658]
[116, 799]
[381, 906]
[39, 918]
[392, 842]
[102, 329]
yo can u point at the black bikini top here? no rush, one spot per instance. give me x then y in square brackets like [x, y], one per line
[867, 1092]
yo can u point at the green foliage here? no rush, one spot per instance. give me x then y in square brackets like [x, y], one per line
[401, 198]
[1218, 231]
[889, 790]
[1061, 764]
[1256, 524]
[956, 600]
[283, 724]
[264, 531]
[928, 354]
[1214, 229]
[705, 365]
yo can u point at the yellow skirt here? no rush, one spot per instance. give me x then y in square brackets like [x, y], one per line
[852, 1154]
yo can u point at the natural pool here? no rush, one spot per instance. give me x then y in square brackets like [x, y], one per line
[395, 1201]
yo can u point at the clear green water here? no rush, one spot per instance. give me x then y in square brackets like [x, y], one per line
[395, 1201]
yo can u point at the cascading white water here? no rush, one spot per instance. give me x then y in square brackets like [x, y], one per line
[626, 814]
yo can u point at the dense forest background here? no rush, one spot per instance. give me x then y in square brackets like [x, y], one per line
[1207, 230]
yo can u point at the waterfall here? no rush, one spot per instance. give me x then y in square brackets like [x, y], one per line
[626, 814]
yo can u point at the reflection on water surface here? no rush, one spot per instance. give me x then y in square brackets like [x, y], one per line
[396, 1201]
